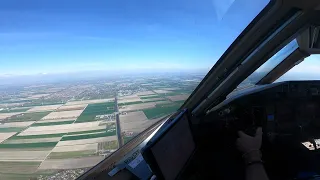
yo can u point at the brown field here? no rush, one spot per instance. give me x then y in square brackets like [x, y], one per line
[89, 101]
[134, 122]
[86, 141]
[65, 128]
[145, 93]
[153, 99]
[72, 107]
[44, 108]
[78, 147]
[16, 124]
[35, 140]
[178, 97]
[127, 100]
[137, 106]
[130, 98]
[56, 120]
[71, 163]
[63, 114]
[23, 155]
[4, 136]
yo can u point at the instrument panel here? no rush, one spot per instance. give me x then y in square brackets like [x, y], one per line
[284, 108]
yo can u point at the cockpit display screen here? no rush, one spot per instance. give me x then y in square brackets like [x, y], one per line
[173, 148]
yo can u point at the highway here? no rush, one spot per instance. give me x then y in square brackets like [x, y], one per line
[120, 140]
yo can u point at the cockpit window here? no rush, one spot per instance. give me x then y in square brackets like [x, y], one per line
[79, 79]
[308, 69]
[269, 65]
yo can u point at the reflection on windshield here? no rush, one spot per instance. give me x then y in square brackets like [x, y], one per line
[78, 79]
[270, 64]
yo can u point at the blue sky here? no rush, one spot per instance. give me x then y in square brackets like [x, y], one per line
[58, 36]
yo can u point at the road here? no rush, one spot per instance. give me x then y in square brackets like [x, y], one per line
[120, 140]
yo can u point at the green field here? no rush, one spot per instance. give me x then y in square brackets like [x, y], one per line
[35, 116]
[52, 123]
[130, 103]
[72, 154]
[92, 110]
[161, 110]
[28, 145]
[11, 129]
[88, 136]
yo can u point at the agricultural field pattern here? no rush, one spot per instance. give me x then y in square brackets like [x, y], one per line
[62, 129]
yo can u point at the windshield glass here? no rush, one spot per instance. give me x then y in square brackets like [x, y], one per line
[270, 64]
[81, 78]
[308, 69]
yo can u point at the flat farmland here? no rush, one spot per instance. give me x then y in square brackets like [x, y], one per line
[153, 99]
[134, 122]
[44, 108]
[150, 96]
[135, 107]
[16, 124]
[71, 163]
[11, 129]
[128, 99]
[22, 167]
[41, 123]
[32, 140]
[11, 110]
[92, 110]
[72, 107]
[65, 128]
[78, 147]
[7, 115]
[145, 93]
[161, 110]
[32, 116]
[129, 103]
[4, 136]
[28, 145]
[88, 136]
[23, 155]
[72, 154]
[87, 141]
[178, 97]
[55, 120]
[63, 114]
[89, 101]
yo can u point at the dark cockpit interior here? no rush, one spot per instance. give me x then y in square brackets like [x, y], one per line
[288, 114]
[230, 99]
